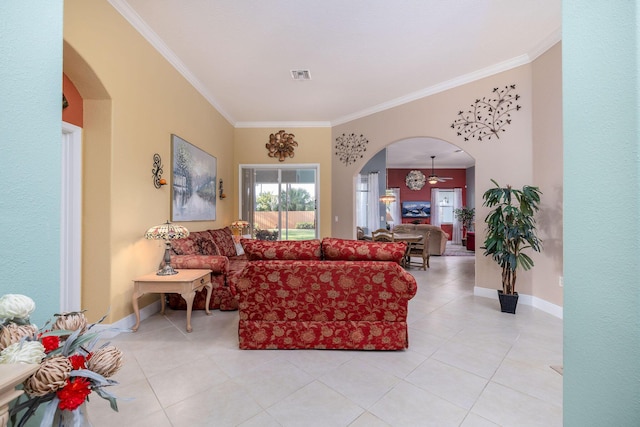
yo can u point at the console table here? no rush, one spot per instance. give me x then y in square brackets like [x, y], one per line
[10, 376]
[185, 283]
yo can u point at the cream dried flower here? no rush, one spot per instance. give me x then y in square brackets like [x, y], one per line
[23, 352]
[106, 361]
[71, 321]
[16, 306]
[51, 376]
[12, 333]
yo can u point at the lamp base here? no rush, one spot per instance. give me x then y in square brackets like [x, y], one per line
[167, 270]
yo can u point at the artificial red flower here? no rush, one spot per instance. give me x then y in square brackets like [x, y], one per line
[74, 393]
[50, 343]
[77, 361]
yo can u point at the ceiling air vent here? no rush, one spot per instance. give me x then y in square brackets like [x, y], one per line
[300, 74]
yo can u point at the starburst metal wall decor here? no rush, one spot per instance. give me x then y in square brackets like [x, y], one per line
[281, 145]
[350, 148]
[488, 116]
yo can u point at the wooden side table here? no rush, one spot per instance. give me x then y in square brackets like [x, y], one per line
[185, 283]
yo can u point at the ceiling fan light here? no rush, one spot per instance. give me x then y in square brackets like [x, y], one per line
[433, 178]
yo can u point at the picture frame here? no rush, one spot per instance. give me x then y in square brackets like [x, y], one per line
[416, 209]
[193, 182]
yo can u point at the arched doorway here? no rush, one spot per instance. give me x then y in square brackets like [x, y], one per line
[397, 167]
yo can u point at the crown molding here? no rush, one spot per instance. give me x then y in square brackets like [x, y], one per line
[139, 25]
[281, 125]
[440, 87]
[551, 40]
[509, 64]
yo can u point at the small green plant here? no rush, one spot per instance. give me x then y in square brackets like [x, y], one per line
[266, 234]
[511, 228]
[465, 216]
[305, 226]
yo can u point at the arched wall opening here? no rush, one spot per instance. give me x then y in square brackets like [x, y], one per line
[410, 157]
[96, 179]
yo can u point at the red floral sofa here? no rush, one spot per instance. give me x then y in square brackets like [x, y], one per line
[355, 298]
[214, 250]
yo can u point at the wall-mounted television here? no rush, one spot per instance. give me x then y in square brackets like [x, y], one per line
[416, 209]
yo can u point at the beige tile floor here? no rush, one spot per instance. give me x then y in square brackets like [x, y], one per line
[467, 365]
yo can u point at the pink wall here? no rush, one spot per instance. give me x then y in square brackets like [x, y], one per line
[74, 112]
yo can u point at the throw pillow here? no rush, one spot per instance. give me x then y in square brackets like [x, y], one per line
[207, 245]
[223, 238]
[187, 246]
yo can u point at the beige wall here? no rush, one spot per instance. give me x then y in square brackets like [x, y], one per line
[548, 171]
[135, 100]
[314, 146]
[144, 100]
[508, 160]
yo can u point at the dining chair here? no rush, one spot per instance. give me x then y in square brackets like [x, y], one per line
[419, 249]
[382, 235]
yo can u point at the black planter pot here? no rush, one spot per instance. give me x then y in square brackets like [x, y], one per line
[508, 302]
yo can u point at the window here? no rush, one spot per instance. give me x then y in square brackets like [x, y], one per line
[445, 206]
[280, 203]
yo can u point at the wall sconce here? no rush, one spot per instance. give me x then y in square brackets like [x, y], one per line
[221, 191]
[158, 181]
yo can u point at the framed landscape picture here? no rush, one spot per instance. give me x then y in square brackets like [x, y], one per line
[193, 182]
[416, 209]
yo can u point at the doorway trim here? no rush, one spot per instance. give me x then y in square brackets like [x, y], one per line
[71, 218]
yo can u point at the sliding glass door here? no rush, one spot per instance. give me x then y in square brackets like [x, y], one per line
[280, 202]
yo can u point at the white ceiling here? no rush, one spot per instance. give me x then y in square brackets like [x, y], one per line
[363, 55]
[416, 153]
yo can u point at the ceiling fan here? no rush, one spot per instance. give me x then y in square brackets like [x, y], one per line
[433, 178]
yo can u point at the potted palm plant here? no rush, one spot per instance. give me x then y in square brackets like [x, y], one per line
[511, 229]
[465, 216]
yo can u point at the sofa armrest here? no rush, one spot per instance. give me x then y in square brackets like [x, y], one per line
[218, 264]
[412, 285]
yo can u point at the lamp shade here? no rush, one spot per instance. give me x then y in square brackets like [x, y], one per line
[433, 180]
[167, 231]
[239, 224]
[388, 198]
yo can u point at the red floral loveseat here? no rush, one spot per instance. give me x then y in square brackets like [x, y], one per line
[213, 250]
[355, 298]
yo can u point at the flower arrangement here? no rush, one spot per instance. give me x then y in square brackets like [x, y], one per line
[69, 367]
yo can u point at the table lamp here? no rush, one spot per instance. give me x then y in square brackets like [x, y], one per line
[236, 229]
[167, 232]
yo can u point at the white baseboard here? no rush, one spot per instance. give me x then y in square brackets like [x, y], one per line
[539, 303]
[126, 323]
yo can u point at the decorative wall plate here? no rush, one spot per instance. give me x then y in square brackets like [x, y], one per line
[415, 180]
[281, 145]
